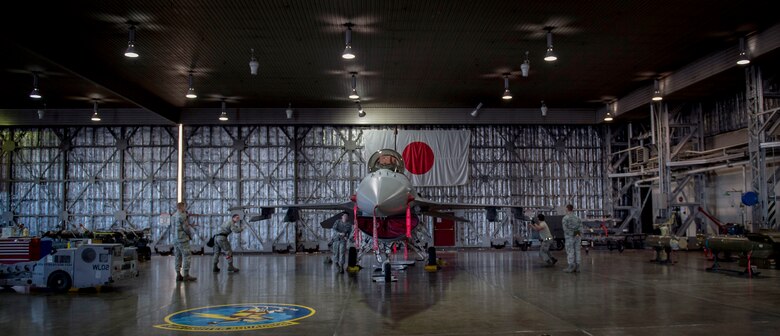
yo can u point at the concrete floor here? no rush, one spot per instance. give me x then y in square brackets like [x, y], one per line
[477, 293]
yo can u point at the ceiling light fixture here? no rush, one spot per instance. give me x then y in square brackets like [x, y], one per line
[354, 95]
[361, 112]
[525, 66]
[347, 54]
[543, 109]
[507, 95]
[550, 55]
[130, 52]
[35, 93]
[223, 116]
[476, 110]
[608, 116]
[657, 91]
[289, 111]
[743, 59]
[95, 115]
[191, 91]
[253, 64]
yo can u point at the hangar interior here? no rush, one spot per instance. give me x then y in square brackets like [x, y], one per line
[645, 119]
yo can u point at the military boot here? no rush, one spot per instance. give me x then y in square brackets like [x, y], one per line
[179, 277]
[215, 269]
[188, 277]
[232, 268]
[576, 267]
[569, 269]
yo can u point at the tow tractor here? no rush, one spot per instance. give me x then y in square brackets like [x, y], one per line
[87, 265]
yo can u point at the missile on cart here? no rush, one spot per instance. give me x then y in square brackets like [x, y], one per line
[739, 245]
[661, 241]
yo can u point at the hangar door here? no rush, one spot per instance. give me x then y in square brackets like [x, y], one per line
[443, 232]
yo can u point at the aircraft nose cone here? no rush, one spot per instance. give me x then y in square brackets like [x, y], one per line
[384, 190]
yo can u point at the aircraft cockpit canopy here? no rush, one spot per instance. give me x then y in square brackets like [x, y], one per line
[386, 159]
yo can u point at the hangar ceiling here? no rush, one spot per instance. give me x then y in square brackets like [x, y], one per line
[409, 54]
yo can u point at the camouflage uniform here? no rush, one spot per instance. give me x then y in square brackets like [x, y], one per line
[181, 248]
[572, 232]
[547, 240]
[341, 233]
[221, 243]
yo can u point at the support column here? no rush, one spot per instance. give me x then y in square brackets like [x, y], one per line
[239, 174]
[180, 166]
[608, 191]
[756, 135]
[661, 114]
[700, 180]
[122, 145]
[296, 151]
[239, 179]
[65, 147]
[9, 175]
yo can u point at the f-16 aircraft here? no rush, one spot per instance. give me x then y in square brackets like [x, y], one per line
[386, 208]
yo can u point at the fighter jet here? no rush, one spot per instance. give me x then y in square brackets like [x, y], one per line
[387, 209]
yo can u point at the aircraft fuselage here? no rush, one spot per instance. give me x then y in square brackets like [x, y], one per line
[388, 193]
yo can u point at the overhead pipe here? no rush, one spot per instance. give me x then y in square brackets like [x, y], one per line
[743, 164]
[704, 161]
[638, 182]
[642, 173]
[724, 148]
[627, 149]
[727, 165]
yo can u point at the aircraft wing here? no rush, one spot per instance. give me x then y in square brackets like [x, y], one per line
[292, 209]
[313, 206]
[431, 208]
[445, 215]
[428, 205]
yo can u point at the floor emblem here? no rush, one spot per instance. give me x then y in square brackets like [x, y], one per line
[236, 317]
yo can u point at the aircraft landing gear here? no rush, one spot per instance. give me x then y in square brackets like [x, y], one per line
[352, 266]
[433, 264]
[385, 273]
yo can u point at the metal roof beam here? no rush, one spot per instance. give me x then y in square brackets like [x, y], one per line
[94, 71]
[706, 67]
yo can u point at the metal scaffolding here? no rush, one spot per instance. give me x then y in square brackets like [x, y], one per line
[630, 168]
[756, 127]
[673, 157]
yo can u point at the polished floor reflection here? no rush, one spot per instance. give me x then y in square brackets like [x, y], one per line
[477, 293]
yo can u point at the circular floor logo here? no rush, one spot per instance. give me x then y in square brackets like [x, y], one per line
[236, 317]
